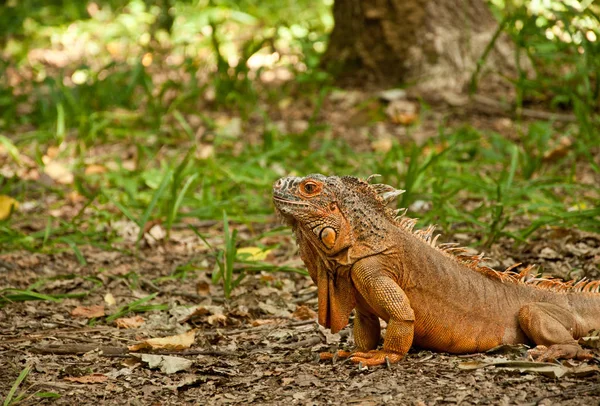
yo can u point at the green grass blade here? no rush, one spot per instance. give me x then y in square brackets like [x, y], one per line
[155, 198]
[16, 384]
[179, 200]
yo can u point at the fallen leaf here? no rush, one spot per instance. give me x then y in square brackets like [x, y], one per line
[202, 313]
[274, 310]
[167, 364]
[7, 205]
[390, 95]
[173, 343]
[155, 234]
[402, 112]
[543, 368]
[253, 253]
[214, 319]
[591, 340]
[95, 169]
[59, 173]
[130, 322]
[262, 322]
[559, 151]
[304, 313]
[88, 311]
[203, 287]
[109, 299]
[382, 145]
[75, 197]
[93, 378]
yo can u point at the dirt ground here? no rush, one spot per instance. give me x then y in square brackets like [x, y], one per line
[260, 347]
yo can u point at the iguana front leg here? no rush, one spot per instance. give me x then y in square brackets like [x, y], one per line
[375, 283]
[553, 329]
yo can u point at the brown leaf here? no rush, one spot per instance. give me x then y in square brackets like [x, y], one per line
[262, 322]
[559, 151]
[172, 343]
[130, 322]
[203, 288]
[304, 313]
[543, 368]
[95, 169]
[88, 311]
[591, 339]
[59, 173]
[93, 378]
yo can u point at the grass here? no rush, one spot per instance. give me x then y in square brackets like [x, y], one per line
[10, 397]
[168, 151]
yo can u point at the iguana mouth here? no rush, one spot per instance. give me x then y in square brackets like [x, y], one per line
[280, 199]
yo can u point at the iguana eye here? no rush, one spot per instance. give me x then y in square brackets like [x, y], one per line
[310, 188]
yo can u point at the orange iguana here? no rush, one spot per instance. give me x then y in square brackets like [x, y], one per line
[363, 256]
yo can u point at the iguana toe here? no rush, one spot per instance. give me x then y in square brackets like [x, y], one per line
[325, 356]
[542, 353]
[376, 357]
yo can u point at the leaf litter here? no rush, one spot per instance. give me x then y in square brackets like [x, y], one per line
[260, 346]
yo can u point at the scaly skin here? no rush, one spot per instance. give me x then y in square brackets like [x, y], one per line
[363, 258]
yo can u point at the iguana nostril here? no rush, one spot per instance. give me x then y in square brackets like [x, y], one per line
[278, 184]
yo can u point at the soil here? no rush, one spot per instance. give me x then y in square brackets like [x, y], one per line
[261, 346]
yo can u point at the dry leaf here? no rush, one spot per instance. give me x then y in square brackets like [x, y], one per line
[559, 151]
[167, 364]
[543, 368]
[591, 340]
[203, 288]
[304, 313]
[109, 299]
[214, 319]
[402, 112]
[382, 145]
[88, 311]
[262, 322]
[172, 343]
[93, 378]
[95, 169]
[7, 204]
[204, 313]
[59, 173]
[130, 322]
[75, 197]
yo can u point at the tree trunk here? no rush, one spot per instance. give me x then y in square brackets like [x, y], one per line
[432, 44]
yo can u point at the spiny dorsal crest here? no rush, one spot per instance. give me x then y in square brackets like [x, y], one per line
[386, 194]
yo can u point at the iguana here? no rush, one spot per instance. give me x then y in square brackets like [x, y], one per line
[362, 255]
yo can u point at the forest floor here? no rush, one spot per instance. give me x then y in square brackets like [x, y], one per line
[261, 346]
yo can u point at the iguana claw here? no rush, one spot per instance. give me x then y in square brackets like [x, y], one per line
[541, 353]
[376, 357]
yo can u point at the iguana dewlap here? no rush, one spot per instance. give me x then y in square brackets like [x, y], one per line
[363, 257]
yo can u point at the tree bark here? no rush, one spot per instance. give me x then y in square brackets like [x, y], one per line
[432, 44]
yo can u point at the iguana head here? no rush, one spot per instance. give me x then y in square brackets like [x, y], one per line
[337, 220]
[336, 213]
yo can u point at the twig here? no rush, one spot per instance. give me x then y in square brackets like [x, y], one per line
[50, 333]
[488, 102]
[78, 349]
[306, 343]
